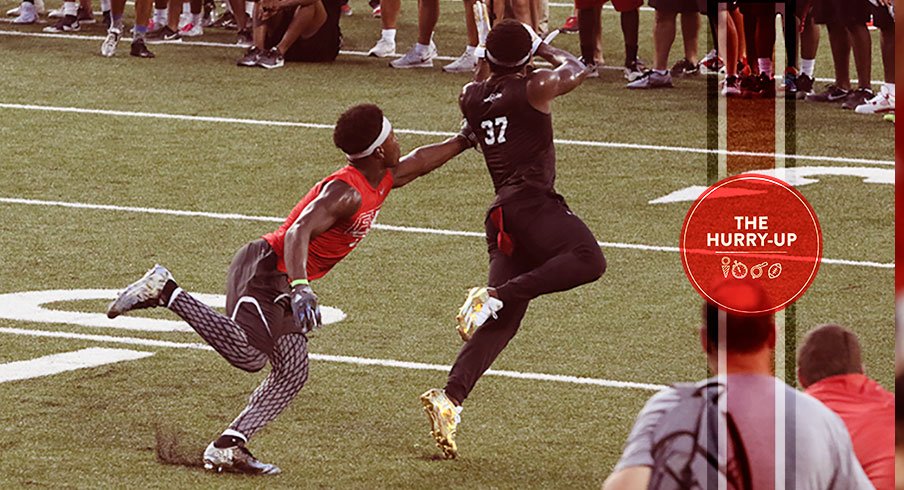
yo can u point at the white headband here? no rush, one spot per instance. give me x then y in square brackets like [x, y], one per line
[384, 133]
[535, 43]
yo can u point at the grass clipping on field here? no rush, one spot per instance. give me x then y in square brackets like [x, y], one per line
[170, 449]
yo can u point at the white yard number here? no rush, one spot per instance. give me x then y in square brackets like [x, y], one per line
[491, 137]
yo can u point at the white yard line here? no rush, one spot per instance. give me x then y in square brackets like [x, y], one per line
[66, 361]
[361, 361]
[421, 132]
[378, 226]
[211, 44]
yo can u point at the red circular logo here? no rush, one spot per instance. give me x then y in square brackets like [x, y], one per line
[756, 229]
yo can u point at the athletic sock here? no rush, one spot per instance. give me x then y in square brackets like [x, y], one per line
[160, 17]
[469, 50]
[229, 440]
[138, 34]
[891, 88]
[196, 19]
[106, 5]
[421, 48]
[807, 67]
[765, 66]
[117, 22]
[70, 8]
[388, 35]
[662, 72]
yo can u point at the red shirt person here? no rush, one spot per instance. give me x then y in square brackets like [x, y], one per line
[831, 370]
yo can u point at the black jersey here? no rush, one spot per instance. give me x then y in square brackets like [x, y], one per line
[516, 138]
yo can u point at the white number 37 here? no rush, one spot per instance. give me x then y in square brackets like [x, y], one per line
[489, 126]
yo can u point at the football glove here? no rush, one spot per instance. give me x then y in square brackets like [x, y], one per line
[305, 310]
[468, 134]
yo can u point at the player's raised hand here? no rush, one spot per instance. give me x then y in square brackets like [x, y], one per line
[305, 309]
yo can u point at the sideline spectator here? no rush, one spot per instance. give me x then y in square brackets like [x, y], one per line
[664, 35]
[294, 30]
[823, 458]
[829, 367]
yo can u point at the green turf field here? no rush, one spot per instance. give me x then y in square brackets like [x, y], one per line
[357, 425]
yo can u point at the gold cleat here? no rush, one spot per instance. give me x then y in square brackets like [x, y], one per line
[444, 419]
[476, 310]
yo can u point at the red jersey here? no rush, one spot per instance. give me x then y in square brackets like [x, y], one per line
[868, 411]
[331, 246]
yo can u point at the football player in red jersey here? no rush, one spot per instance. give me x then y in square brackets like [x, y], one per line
[269, 300]
[536, 244]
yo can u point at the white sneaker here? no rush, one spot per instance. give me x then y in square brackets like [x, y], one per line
[184, 20]
[383, 48]
[192, 30]
[413, 59]
[143, 293]
[108, 48]
[27, 14]
[56, 13]
[236, 459]
[465, 63]
[884, 101]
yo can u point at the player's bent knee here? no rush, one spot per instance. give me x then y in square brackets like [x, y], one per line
[592, 260]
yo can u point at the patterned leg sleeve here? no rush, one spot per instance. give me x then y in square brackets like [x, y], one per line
[289, 374]
[223, 334]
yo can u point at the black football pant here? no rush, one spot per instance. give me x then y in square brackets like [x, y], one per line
[552, 250]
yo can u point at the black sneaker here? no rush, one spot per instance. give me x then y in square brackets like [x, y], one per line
[251, 58]
[767, 86]
[140, 50]
[684, 68]
[832, 93]
[68, 23]
[245, 38]
[749, 86]
[634, 70]
[804, 86]
[271, 59]
[790, 83]
[85, 16]
[857, 97]
[170, 35]
[223, 20]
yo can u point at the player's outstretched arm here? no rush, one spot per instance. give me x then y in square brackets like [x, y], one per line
[545, 85]
[337, 201]
[428, 158]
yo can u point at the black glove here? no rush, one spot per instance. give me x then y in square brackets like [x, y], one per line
[468, 134]
[305, 309]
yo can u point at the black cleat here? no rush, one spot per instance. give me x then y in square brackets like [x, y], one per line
[684, 68]
[857, 97]
[804, 86]
[140, 50]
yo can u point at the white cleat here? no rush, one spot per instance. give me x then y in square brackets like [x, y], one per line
[27, 14]
[383, 48]
[883, 102]
[143, 293]
[416, 59]
[108, 47]
[466, 63]
[236, 459]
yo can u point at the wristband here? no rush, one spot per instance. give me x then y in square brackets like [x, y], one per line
[299, 282]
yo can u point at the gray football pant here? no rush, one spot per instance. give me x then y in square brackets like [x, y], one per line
[289, 361]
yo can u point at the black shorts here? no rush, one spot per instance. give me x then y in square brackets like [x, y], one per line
[680, 6]
[844, 12]
[257, 296]
[321, 47]
[882, 17]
